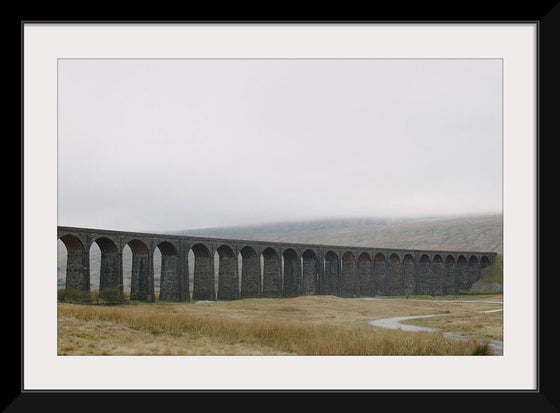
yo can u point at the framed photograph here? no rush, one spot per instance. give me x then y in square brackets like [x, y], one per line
[97, 90]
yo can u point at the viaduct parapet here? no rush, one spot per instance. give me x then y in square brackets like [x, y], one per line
[252, 269]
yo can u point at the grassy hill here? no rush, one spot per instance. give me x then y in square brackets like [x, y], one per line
[491, 278]
[474, 233]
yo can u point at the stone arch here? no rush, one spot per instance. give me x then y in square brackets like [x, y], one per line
[77, 263]
[203, 274]
[395, 281]
[272, 273]
[169, 284]
[438, 271]
[473, 271]
[365, 275]
[291, 275]
[250, 273]
[142, 272]
[484, 261]
[409, 275]
[228, 279]
[380, 271]
[450, 287]
[461, 273]
[332, 273]
[349, 275]
[425, 276]
[72, 243]
[310, 280]
[110, 269]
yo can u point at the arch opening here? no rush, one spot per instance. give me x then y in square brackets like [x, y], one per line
[72, 264]
[349, 276]
[450, 281]
[461, 274]
[203, 273]
[409, 275]
[250, 273]
[365, 276]
[228, 282]
[291, 273]
[310, 276]
[380, 270]
[170, 284]
[139, 271]
[425, 279]
[272, 273]
[332, 273]
[110, 266]
[395, 276]
[473, 270]
[438, 272]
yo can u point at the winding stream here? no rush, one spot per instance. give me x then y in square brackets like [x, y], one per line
[395, 323]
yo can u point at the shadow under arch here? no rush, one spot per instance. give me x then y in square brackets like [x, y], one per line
[272, 273]
[349, 275]
[450, 276]
[110, 269]
[379, 271]
[228, 279]
[365, 275]
[438, 271]
[170, 283]
[461, 274]
[77, 264]
[310, 273]
[291, 276]
[473, 271]
[395, 276]
[142, 273]
[425, 279]
[409, 275]
[203, 277]
[332, 273]
[250, 273]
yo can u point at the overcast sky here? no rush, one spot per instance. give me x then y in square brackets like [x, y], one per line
[166, 145]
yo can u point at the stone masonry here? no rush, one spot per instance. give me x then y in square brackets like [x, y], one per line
[252, 269]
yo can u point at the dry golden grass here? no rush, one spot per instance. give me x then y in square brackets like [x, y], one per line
[324, 325]
[481, 325]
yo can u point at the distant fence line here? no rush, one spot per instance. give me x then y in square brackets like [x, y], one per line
[253, 269]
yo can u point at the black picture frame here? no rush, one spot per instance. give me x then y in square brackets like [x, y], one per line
[544, 399]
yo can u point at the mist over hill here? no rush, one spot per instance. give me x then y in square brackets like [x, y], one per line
[473, 233]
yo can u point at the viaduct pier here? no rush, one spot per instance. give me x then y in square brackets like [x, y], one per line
[252, 269]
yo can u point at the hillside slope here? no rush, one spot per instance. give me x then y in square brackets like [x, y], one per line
[476, 233]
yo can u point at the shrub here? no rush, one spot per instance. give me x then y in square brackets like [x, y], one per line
[482, 349]
[110, 296]
[69, 295]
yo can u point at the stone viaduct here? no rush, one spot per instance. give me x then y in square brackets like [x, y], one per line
[250, 269]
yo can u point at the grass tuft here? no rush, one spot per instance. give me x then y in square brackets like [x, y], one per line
[482, 349]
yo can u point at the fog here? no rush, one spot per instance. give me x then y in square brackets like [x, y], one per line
[173, 144]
